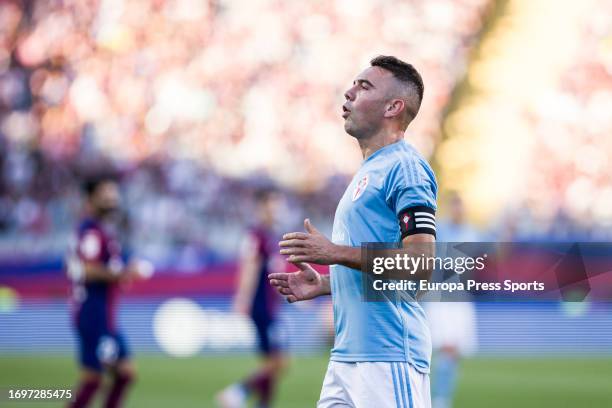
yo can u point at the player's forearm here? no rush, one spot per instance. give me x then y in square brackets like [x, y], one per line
[247, 279]
[100, 273]
[325, 285]
[421, 247]
[348, 256]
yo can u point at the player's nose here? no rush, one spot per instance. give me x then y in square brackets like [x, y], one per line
[349, 95]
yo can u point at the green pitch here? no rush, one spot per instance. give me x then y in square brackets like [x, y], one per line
[191, 383]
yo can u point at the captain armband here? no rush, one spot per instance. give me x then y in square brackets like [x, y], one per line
[417, 220]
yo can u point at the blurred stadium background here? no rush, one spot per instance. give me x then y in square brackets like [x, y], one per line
[198, 103]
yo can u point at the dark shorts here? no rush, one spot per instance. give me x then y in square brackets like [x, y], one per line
[98, 349]
[270, 337]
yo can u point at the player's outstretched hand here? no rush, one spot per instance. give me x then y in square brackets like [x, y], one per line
[304, 284]
[137, 270]
[310, 246]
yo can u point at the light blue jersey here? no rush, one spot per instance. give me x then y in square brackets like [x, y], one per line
[392, 179]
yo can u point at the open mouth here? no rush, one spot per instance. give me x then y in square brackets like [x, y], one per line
[345, 112]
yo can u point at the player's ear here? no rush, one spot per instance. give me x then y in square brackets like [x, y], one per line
[395, 107]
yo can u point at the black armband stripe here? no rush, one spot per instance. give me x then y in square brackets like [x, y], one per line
[417, 220]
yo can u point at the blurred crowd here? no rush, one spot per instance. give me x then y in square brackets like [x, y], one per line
[570, 192]
[196, 102]
[529, 145]
[174, 212]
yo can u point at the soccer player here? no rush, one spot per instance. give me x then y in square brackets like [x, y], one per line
[382, 350]
[97, 271]
[256, 299]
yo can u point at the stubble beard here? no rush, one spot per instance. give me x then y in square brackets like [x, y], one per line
[363, 133]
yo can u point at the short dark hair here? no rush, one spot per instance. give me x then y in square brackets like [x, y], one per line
[90, 186]
[402, 71]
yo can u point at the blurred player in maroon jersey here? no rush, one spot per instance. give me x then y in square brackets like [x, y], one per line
[257, 299]
[97, 271]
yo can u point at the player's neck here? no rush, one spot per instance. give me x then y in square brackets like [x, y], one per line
[379, 140]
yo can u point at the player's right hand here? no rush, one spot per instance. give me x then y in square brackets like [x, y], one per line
[304, 284]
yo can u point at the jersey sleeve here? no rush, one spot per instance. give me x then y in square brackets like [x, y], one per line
[250, 245]
[90, 246]
[411, 191]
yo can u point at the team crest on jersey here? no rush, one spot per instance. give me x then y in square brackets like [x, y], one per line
[405, 220]
[360, 188]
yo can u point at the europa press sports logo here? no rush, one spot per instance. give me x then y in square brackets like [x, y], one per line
[360, 188]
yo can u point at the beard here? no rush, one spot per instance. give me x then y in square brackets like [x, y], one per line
[360, 131]
[108, 211]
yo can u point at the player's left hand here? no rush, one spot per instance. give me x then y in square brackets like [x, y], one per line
[310, 246]
[138, 269]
